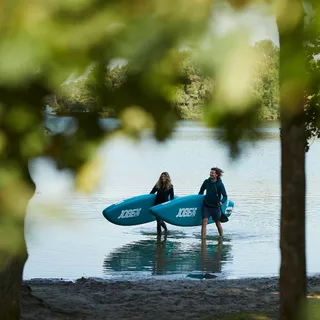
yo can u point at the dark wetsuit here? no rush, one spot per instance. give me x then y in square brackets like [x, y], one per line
[214, 191]
[161, 197]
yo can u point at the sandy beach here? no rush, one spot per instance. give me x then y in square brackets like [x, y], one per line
[154, 299]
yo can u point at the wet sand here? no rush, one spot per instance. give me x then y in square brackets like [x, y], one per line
[153, 299]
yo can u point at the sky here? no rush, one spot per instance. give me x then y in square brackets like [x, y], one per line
[256, 20]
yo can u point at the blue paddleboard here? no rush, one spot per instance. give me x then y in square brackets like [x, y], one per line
[186, 211]
[131, 211]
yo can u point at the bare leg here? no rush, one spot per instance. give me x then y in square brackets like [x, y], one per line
[219, 226]
[204, 228]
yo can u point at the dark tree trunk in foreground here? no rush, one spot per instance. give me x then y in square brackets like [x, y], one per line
[292, 239]
[11, 281]
[12, 261]
[16, 189]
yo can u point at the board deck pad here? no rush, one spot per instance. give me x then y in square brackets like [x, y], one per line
[132, 211]
[186, 211]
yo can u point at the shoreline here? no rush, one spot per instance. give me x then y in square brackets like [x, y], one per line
[152, 298]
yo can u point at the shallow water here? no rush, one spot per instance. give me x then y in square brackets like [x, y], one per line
[67, 236]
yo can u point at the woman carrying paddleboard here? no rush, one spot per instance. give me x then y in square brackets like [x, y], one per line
[212, 200]
[164, 190]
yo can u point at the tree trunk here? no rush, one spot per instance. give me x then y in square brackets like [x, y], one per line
[17, 187]
[13, 252]
[12, 261]
[11, 282]
[292, 239]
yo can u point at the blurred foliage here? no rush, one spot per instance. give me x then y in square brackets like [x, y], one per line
[80, 94]
[190, 94]
[42, 44]
[312, 95]
[172, 65]
[174, 62]
[266, 82]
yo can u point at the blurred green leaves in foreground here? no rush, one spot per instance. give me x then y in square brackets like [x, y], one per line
[42, 44]
[45, 43]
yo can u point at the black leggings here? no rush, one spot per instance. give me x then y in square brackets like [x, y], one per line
[160, 224]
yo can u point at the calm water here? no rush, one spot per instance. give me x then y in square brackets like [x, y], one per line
[67, 236]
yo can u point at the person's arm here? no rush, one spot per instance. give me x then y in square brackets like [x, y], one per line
[203, 187]
[223, 193]
[154, 190]
[171, 194]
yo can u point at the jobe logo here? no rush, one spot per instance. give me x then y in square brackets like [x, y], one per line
[186, 212]
[130, 213]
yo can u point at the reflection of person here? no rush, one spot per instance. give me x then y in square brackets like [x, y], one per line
[164, 190]
[213, 264]
[212, 201]
[160, 256]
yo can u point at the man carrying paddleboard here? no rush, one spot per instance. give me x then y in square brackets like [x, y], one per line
[212, 200]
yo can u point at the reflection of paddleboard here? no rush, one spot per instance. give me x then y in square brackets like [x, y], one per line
[168, 256]
[131, 211]
[186, 211]
[144, 255]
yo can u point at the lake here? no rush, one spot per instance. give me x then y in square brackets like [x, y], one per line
[67, 236]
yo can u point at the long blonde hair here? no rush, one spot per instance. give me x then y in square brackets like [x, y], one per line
[167, 185]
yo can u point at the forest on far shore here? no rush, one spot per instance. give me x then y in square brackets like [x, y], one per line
[189, 97]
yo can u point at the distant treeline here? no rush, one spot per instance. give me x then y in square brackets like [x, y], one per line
[189, 97]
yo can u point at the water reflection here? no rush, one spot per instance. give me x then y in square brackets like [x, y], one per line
[160, 261]
[211, 260]
[163, 256]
